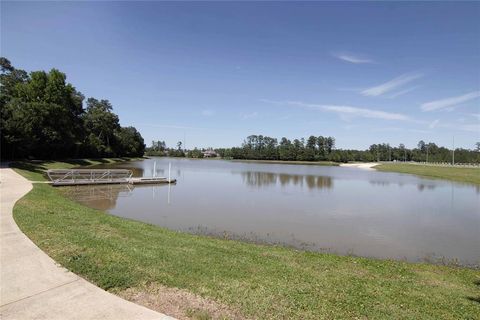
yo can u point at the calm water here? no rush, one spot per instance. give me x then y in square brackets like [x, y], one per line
[332, 209]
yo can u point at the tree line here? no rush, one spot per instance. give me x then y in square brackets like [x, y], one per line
[43, 116]
[320, 148]
[159, 149]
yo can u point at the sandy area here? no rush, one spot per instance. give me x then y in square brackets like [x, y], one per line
[361, 165]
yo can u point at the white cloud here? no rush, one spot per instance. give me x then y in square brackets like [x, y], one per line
[470, 127]
[208, 112]
[346, 110]
[391, 85]
[433, 124]
[449, 102]
[402, 92]
[464, 127]
[251, 115]
[352, 58]
[476, 115]
[362, 112]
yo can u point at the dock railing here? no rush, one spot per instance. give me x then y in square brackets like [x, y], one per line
[88, 176]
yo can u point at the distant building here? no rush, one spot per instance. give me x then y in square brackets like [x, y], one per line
[209, 154]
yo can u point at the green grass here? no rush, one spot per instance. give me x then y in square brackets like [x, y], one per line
[264, 282]
[467, 175]
[35, 170]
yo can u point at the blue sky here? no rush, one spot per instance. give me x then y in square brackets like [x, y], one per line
[214, 73]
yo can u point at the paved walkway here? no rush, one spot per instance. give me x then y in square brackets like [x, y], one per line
[33, 286]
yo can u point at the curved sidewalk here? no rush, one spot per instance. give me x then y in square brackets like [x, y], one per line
[33, 286]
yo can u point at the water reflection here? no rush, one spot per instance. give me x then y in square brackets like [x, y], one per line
[261, 179]
[384, 183]
[422, 186]
[102, 197]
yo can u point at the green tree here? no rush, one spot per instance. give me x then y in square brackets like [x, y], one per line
[330, 144]
[40, 116]
[129, 142]
[100, 126]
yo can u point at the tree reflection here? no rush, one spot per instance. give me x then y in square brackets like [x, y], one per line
[262, 179]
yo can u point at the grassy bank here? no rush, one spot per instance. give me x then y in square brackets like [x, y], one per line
[35, 170]
[264, 282]
[311, 163]
[467, 175]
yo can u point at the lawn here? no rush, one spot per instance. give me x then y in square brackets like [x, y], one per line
[467, 175]
[256, 281]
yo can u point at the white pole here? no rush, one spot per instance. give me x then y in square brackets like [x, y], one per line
[453, 150]
[169, 169]
[168, 194]
[155, 169]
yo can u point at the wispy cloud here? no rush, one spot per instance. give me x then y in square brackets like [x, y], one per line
[402, 92]
[449, 102]
[470, 127]
[345, 110]
[208, 112]
[392, 84]
[463, 127]
[251, 115]
[362, 112]
[476, 115]
[433, 124]
[352, 58]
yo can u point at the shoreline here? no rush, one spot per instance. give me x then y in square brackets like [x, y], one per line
[361, 165]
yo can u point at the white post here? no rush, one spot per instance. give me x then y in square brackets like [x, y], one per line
[155, 169]
[169, 169]
[168, 194]
[453, 150]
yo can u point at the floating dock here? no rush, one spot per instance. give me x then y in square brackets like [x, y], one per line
[74, 177]
[154, 180]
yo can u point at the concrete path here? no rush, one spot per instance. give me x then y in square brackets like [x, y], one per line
[33, 286]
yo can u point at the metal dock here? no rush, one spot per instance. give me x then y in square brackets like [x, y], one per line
[74, 177]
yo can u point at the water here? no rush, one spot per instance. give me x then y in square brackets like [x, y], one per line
[319, 208]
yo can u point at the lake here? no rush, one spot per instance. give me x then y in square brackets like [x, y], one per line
[318, 208]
